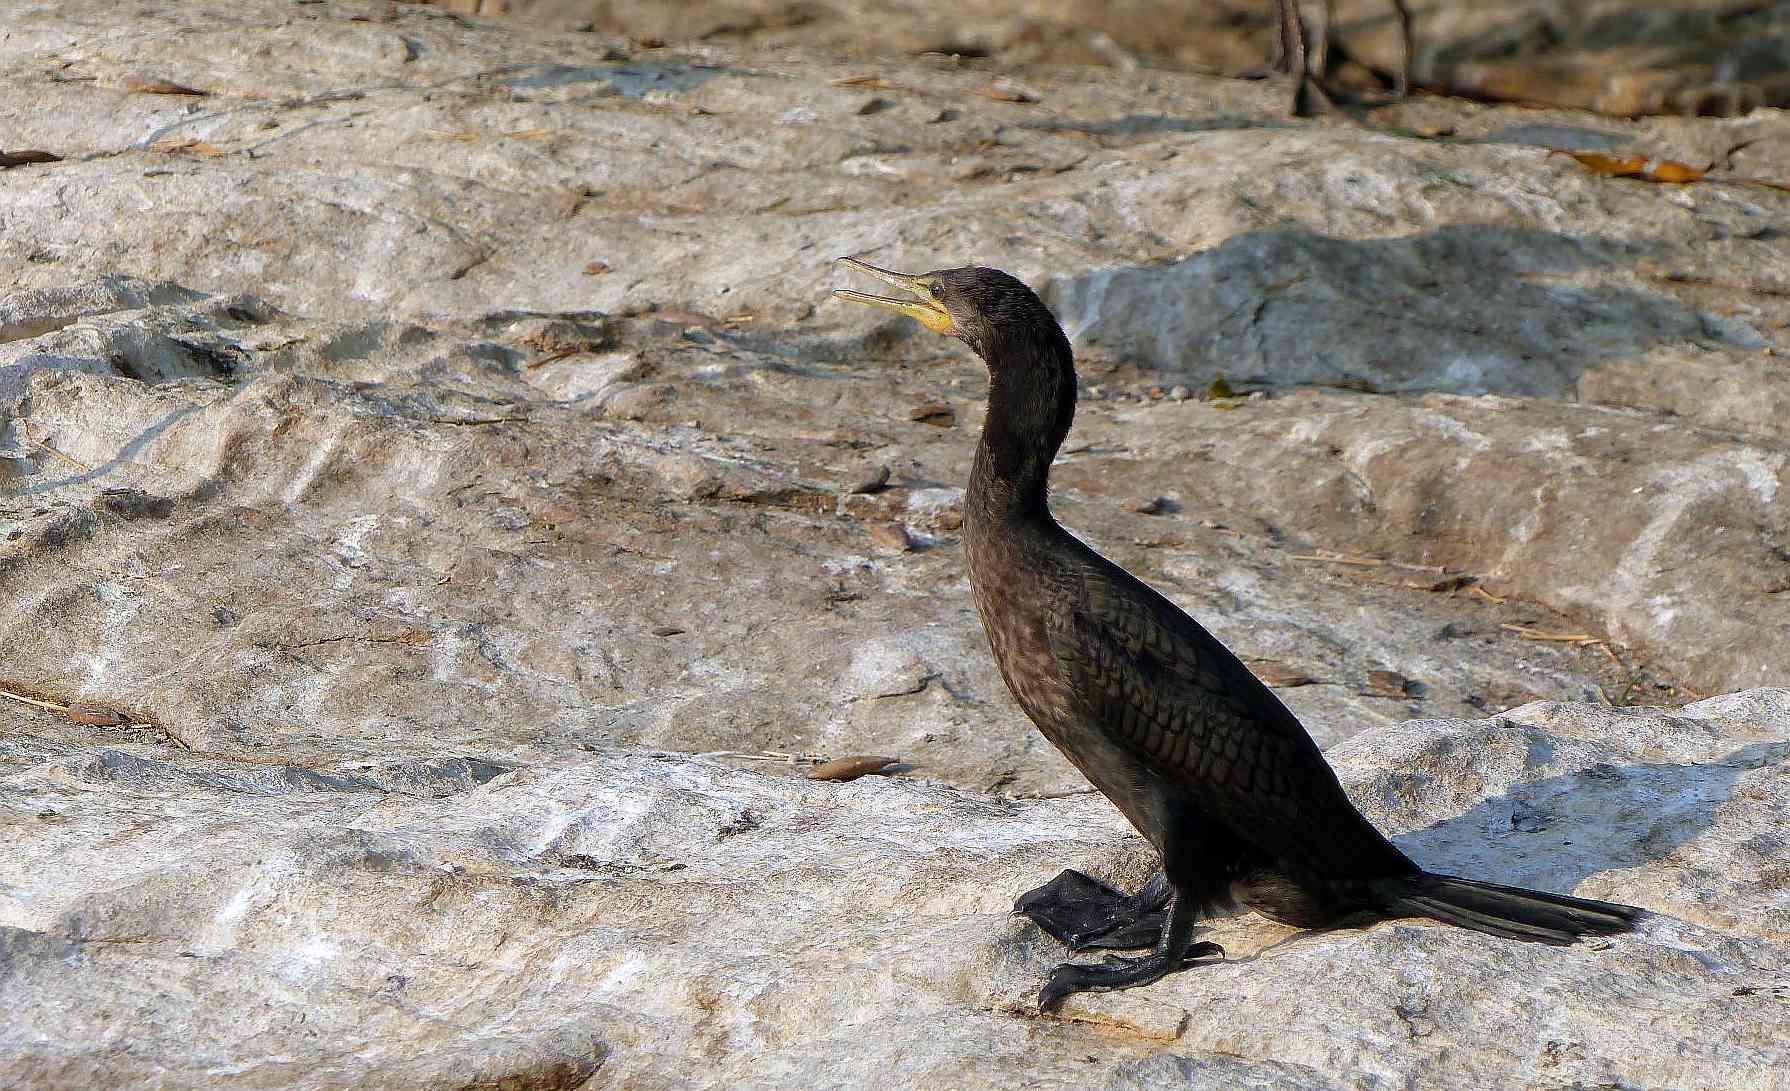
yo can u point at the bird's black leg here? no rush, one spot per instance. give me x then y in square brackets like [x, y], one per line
[1175, 950]
[1084, 913]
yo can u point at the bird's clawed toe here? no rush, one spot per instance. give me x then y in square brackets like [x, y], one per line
[1118, 973]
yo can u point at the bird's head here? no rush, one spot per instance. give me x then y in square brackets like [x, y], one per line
[995, 314]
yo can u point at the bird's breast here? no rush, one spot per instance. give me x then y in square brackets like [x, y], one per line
[1014, 596]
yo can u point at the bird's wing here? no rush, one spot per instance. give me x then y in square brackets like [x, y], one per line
[1167, 690]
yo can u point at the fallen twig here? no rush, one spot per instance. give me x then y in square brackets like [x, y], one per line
[25, 427]
[1333, 558]
[22, 699]
[1544, 636]
[1064, 794]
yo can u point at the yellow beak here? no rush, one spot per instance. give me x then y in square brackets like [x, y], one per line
[927, 310]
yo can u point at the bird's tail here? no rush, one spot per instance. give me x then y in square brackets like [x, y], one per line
[1504, 910]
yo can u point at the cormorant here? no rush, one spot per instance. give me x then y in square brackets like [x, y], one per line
[1196, 752]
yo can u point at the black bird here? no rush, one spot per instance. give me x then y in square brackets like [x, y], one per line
[1195, 751]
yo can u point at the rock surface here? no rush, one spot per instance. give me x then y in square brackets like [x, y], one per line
[643, 921]
[420, 436]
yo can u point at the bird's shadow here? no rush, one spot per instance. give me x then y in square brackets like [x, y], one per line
[1554, 833]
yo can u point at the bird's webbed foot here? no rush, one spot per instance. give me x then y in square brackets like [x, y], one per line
[1174, 952]
[1083, 913]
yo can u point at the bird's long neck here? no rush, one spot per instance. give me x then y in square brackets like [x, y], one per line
[1031, 402]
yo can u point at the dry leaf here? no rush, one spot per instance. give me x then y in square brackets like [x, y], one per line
[94, 716]
[858, 765]
[1447, 583]
[1387, 684]
[939, 414]
[161, 87]
[27, 155]
[1279, 675]
[1003, 94]
[892, 536]
[1638, 166]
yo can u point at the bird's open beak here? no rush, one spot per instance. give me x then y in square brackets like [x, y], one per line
[926, 309]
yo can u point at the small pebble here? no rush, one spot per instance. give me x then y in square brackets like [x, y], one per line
[875, 482]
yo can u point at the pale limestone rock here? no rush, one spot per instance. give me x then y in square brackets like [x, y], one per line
[436, 432]
[654, 921]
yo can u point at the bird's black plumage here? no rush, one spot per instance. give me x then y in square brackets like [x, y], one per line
[1201, 756]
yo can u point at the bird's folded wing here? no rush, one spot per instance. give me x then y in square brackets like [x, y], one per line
[1181, 702]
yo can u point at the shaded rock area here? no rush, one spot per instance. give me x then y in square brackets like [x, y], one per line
[442, 512]
[1622, 57]
[640, 920]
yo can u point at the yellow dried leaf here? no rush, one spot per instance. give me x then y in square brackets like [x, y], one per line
[160, 87]
[1638, 166]
[1003, 94]
[94, 716]
[1279, 675]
